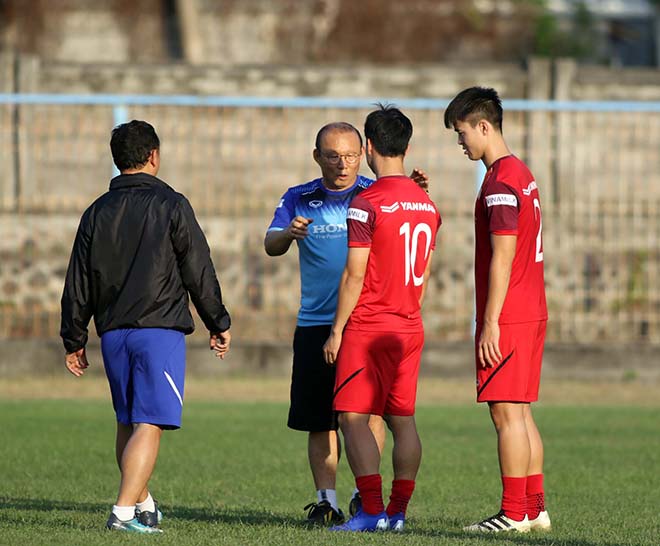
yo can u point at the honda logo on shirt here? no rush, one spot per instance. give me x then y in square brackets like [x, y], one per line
[328, 228]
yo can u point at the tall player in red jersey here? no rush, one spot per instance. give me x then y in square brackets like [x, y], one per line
[511, 307]
[392, 227]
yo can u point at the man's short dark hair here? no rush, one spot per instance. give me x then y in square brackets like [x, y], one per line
[474, 104]
[132, 143]
[389, 130]
[340, 126]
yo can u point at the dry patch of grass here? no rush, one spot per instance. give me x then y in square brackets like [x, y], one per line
[432, 390]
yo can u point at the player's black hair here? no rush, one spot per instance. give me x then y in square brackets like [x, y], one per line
[340, 126]
[131, 143]
[389, 130]
[474, 104]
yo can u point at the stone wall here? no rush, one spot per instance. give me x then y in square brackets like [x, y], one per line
[232, 32]
[599, 175]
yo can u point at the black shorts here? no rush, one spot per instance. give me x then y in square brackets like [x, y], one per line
[312, 382]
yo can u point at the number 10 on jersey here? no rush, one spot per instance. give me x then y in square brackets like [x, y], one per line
[411, 244]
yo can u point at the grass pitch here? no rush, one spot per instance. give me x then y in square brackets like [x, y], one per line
[235, 475]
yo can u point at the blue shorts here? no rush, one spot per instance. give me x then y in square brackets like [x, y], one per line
[146, 369]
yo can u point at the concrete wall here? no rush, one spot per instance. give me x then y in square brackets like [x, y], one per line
[235, 32]
[599, 174]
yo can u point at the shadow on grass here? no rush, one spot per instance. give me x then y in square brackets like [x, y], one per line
[450, 529]
[49, 505]
[444, 528]
[260, 516]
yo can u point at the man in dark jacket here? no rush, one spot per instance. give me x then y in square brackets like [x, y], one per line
[138, 256]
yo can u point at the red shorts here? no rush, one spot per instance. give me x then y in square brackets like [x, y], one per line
[517, 377]
[377, 372]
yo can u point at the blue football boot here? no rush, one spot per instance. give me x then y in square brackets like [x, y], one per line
[397, 522]
[364, 522]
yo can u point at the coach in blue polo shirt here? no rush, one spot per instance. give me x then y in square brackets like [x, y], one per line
[138, 256]
[314, 215]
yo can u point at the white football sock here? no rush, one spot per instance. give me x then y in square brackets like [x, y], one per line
[328, 494]
[124, 513]
[147, 505]
[356, 491]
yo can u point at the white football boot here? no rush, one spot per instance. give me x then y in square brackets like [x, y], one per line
[541, 522]
[497, 524]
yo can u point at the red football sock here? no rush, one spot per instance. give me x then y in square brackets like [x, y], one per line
[371, 491]
[535, 496]
[514, 497]
[402, 490]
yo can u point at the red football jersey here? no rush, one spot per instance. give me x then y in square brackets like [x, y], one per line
[397, 220]
[508, 204]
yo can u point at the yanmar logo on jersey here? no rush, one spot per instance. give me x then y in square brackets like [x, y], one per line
[501, 199]
[357, 214]
[408, 205]
[529, 189]
[390, 208]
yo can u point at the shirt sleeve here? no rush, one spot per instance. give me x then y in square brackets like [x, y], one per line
[501, 203]
[284, 213]
[197, 269]
[77, 306]
[360, 220]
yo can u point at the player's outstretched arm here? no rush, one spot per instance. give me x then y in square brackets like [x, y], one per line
[219, 342]
[76, 362]
[277, 242]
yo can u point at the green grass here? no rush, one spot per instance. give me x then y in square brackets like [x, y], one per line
[235, 475]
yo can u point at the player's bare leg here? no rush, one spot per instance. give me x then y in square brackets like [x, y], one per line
[377, 426]
[361, 446]
[406, 458]
[407, 450]
[123, 435]
[535, 442]
[364, 460]
[147, 511]
[514, 452]
[137, 462]
[512, 439]
[323, 451]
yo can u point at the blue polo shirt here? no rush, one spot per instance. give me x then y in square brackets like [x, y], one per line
[323, 252]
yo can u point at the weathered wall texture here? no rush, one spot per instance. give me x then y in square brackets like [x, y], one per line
[599, 175]
[235, 32]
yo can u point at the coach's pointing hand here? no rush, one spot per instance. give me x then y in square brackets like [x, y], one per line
[298, 227]
[76, 362]
[331, 348]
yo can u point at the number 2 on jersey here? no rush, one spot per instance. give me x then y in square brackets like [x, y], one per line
[539, 241]
[411, 243]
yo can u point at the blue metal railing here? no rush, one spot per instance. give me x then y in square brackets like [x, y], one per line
[316, 102]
